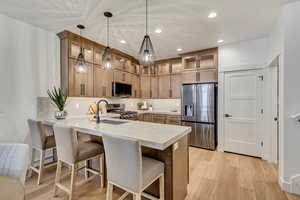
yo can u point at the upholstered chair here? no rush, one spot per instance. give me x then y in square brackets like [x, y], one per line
[72, 153]
[42, 140]
[129, 170]
[14, 162]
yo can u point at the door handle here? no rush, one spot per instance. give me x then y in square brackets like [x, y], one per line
[275, 119]
[227, 115]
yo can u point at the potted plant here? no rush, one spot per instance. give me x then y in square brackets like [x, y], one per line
[140, 105]
[58, 99]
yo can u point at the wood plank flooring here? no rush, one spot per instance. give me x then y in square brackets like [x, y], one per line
[213, 176]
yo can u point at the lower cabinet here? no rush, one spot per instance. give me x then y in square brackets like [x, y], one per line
[160, 118]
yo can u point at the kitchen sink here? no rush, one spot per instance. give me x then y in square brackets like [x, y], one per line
[113, 122]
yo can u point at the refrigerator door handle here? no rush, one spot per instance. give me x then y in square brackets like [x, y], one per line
[227, 115]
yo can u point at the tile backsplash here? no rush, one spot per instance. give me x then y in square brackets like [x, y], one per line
[77, 106]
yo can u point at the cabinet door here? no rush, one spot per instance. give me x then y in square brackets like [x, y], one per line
[98, 56]
[176, 86]
[75, 50]
[148, 117]
[173, 120]
[102, 82]
[189, 77]
[80, 84]
[135, 86]
[122, 77]
[145, 87]
[154, 87]
[208, 76]
[160, 119]
[164, 86]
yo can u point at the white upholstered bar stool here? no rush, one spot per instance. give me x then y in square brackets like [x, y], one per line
[41, 142]
[70, 152]
[129, 170]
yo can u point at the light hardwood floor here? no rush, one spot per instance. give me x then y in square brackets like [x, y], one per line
[213, 176]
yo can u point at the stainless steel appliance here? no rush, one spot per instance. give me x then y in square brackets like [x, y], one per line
[120, 109]
[199, 111]
[121, 89]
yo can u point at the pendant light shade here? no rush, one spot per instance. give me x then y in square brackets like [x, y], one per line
[107, 55]
[146, 53]
[80, 66]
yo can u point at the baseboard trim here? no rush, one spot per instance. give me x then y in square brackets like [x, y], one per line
[291, 186]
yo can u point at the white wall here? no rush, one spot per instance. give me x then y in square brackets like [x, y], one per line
[243, 55]
[27, 55]
[290, 98]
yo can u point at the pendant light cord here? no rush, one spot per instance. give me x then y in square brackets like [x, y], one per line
[107, 34]
[146, 17]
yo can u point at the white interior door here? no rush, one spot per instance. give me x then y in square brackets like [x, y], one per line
[243, 112]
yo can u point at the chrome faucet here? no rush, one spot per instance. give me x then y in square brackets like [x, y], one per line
[97, 114]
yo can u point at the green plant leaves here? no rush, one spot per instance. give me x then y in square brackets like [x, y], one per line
[57, 98]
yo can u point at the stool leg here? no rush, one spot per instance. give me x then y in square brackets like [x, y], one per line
[85, 170]
[32, 162]
[101, 169]
[73, 181]
[57, 176]
[162, 187]
[42, 158]
[109, 191]
[137, 196]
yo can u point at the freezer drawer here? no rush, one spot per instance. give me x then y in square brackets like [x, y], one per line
[202, 135]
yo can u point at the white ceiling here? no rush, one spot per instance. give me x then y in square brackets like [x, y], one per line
[184, 23]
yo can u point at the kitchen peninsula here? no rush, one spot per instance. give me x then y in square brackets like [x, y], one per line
[167, 143]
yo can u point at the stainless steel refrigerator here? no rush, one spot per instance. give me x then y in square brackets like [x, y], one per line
[199, 111]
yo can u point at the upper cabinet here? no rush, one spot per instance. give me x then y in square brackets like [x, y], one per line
[80, 84]
[163, 79]
[96, 82]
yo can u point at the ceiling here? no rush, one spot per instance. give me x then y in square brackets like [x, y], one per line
[184, 23]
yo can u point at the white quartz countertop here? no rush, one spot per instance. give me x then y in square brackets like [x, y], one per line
[152, 135]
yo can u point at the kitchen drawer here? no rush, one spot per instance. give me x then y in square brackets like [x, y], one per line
[147, 117]
[157, 118]
[141, 117]
[173, 120]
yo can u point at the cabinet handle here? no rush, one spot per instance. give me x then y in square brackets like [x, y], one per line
[82, 89]
[123, 77]
[104, 91]
[135, 94]
[170, 93]
[150, 93]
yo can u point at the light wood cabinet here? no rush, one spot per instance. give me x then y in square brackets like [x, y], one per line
[157, 118]
[98, 56]
[164, 86]
[189, 77]
[176, 85]
[145, 87]
[135, 86]
[147, 117]
[154, 87]
[102, 82]
[80, 84]
[122, 77]
[87, 51]
[173, 119]
[208, 76]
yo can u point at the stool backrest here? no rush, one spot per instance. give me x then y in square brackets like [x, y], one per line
[14, 161]
[66, 144]
[38, 136]
[124, 162]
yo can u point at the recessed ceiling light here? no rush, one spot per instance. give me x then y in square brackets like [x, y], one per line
[179, 49]
[220, 41]
[212, 15]
[158, 30]
[123, 41]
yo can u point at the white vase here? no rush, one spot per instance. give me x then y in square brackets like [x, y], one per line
[60, 114]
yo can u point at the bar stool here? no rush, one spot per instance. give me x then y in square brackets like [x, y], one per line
[129, 170]
[40, 143]
[70, 152]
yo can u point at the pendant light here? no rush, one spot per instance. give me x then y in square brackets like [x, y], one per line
[146, 53]
[107, 55]
[80, 66]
